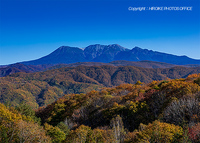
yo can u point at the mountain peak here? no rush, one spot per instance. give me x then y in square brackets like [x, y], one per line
[66, 47]
[116, 46]
[93, 51]
[95, 47]
[138, 48]
[102, 47]
[62, 47]
[102, 53]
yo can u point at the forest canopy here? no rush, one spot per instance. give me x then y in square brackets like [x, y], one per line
[159, 111]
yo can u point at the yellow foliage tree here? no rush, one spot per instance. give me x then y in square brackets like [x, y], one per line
[158, 132]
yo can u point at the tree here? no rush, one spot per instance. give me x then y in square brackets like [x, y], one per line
[8, 121]
[27, 110]
[63, 127]
[197, 81]
[82, 134]
[3, 136]
[194, 133]
[118, 129]
[184, 109]
[31, 132]
[158, 132]
[103, 135]
[15, 127]
[55, 133]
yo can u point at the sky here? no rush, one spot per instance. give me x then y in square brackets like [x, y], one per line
[30, 29]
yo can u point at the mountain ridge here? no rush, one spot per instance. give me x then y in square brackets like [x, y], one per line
[18, 67]
[108, 53]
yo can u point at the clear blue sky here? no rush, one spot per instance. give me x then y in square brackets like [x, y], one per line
[30, 29]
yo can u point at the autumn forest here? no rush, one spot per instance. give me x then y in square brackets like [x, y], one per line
[97, 104]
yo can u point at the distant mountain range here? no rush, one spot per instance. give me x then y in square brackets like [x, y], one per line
[15, 68]
[108, 53]
[18, 67]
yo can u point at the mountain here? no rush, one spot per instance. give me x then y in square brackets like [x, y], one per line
[42, 88]
[109, 53]
[128, 113]
[138, 54]
[170, 101]
[101, 53]
[18, 67]
[144, 64]
[67, 55]
[64, 54]
[115, 54]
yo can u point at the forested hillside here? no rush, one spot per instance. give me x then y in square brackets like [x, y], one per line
[18, 67]
[15, 68]
[42, 88]
[159, 111]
